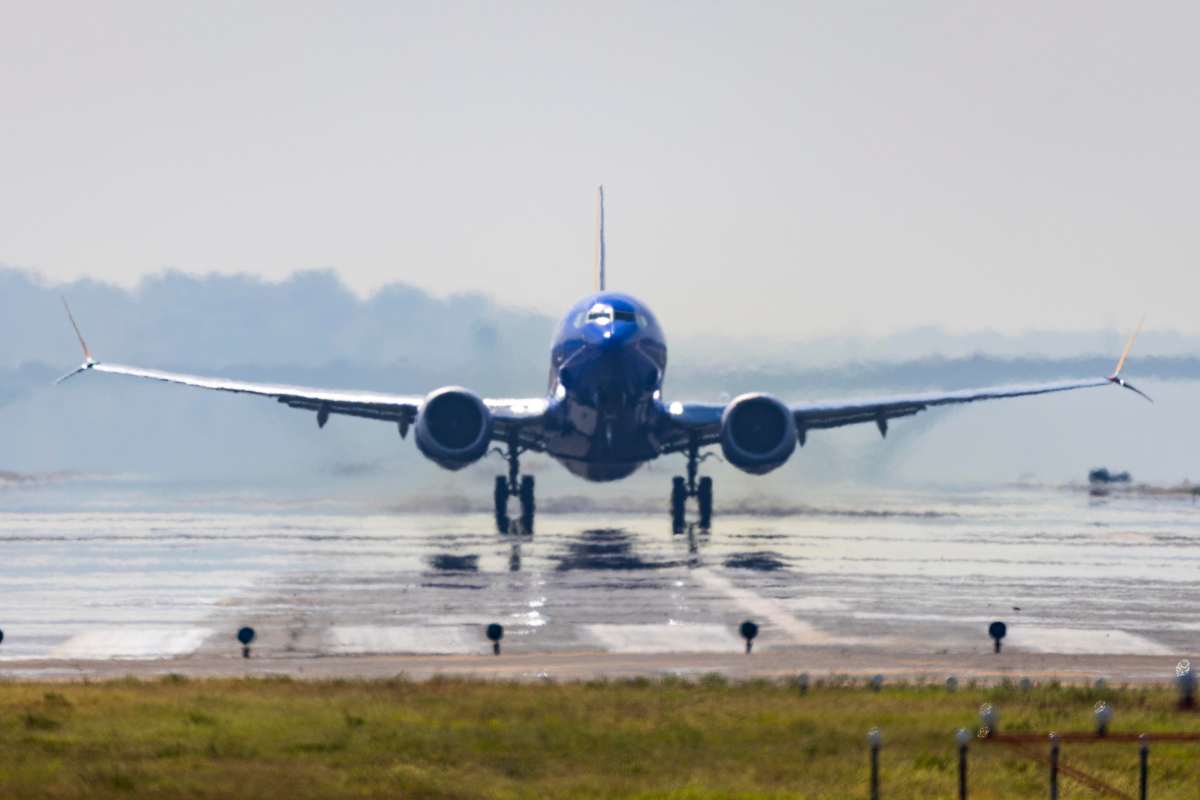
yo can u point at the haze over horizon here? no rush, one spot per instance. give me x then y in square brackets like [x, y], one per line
[780, 173]
[216, 319]
[312, 330]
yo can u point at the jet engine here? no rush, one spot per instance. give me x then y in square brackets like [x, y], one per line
[453, 427]
[758, 433]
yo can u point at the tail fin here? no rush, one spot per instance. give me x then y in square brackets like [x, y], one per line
[600, 278]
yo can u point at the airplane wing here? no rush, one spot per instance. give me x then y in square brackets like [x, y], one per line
[372, 405]
[511, 415]
[701, 422]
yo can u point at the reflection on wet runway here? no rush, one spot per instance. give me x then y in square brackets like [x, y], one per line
[920, 570]
[606, 549]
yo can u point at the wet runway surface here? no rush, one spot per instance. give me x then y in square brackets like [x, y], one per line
[921, 572]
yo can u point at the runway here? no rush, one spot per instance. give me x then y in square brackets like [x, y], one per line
[899, 583]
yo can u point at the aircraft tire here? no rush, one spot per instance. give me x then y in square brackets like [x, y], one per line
[527, 503]
[678, 501]
[704, 498]
[501, 497]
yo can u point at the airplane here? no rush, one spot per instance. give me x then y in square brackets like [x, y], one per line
[603, 414]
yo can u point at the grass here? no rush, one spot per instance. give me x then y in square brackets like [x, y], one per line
[634, 739]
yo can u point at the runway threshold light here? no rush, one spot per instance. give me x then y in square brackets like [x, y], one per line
[997, 630]
[245, 635]
[495, 632]
[749, 630]
[990, 718]
[1185, 679]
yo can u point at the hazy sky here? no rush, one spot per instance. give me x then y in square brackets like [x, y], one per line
[786, 169]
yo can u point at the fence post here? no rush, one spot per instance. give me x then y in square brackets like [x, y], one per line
[1054, 766]
[963, 738]
[1144, 754]
[874, 739]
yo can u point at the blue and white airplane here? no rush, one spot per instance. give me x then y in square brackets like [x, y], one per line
[603, 414]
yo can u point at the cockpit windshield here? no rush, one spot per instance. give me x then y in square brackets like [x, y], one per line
[605, 314]
[601, 314]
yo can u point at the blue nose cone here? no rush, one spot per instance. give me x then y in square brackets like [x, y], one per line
[615, 336]
[610, 337]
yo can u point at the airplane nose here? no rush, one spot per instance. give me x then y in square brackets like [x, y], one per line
[617, 335]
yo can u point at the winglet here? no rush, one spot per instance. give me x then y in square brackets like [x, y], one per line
[1125, 353]
[88, 361]
[1116, 375]
[600, 277]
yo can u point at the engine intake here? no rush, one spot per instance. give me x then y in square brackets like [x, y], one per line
[453, 427]
[758, 433]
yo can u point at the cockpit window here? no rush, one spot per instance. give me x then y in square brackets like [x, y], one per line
[601, 314]
[605, 314]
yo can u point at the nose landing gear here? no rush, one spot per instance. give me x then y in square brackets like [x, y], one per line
[701, 489]
[514, 485]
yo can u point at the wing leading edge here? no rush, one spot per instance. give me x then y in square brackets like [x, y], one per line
[511, 415]
[703, 420]
[371, 405]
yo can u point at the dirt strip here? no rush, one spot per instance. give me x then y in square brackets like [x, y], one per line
[778, 663]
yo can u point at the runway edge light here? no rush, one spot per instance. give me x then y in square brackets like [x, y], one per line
[997, 630]
[495, 632]
[246, 635]
[749, 630]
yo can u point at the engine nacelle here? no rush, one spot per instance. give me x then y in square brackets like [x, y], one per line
[758, 433]
[453, 427]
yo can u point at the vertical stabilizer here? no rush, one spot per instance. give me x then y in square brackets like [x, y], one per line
[600, 282]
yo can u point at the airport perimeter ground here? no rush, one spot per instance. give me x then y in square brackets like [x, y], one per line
[706, 737]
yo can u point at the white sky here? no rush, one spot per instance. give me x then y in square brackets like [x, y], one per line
[781, 169]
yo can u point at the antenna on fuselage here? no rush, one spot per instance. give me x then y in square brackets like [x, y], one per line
[600, 244]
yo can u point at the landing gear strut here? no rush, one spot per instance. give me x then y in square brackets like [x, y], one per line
[701, 489]
[514, 485]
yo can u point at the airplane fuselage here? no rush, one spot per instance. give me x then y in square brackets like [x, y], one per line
[607, 364]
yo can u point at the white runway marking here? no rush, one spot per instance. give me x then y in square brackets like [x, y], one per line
[430, 640]
[817, 604]
[132, 643]
[680, 638]
[765, 610]
[1072, 641]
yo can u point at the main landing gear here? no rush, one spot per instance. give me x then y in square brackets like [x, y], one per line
[701, 489]
[514, 485]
